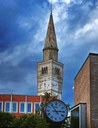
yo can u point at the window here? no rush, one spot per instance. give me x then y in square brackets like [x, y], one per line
[75, 118]
[78, 116]
[37, 108]
[14, 106]
[22, 107]
[29, 107]
[7, 106]
[57, 71]
[44, 70]
[1, 106]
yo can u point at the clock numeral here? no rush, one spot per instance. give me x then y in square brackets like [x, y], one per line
[62, 107]
[62, 115]
[56, 103]
[51, 104]
[55, 118]
[51, 117]
[59, 105]
[48, 114]
[48, 110]
[60, 118]
[63, 111]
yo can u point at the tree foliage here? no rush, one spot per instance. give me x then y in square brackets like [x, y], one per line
[28, 121]
[46, 96]
[25, 121]
[6, 120]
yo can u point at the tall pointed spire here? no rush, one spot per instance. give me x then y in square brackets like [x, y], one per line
[50, 47]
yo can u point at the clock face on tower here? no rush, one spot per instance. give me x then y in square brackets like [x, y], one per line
[45, 85]
[56, 111]
[55, 85]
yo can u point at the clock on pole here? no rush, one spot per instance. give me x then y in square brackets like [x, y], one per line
[56, 112]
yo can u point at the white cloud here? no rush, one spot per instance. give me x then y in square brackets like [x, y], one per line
[59, 1]
[87, 29]
[60, 12]
[77, 1]
[25, 25]
[89, 32]
[38, 39]
[65, 1]
[31, 79]
[73, 87]
[17, 55]
[52, 1]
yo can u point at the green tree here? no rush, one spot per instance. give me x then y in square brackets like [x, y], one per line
[46, 96]
[30, 121]
[6, 120]
[43, 104]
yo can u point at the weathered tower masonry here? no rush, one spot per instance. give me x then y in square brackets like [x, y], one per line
[50, 71]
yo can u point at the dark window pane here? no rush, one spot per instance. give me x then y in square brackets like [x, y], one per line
[22, 107]
[14, 107]
[29, 107]
[7, 107]
[0, 106]
[36, 106]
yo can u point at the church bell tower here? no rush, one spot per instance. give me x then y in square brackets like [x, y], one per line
[50, 71]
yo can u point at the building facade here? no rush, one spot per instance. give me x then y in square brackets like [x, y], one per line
[20, 104]
[86, 89]
[50, 71]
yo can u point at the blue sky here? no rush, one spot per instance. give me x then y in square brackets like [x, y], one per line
[23, 26]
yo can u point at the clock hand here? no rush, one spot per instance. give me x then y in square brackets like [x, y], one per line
[60, 111]
[54, 108]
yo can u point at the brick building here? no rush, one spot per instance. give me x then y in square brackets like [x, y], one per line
[86, 89]
[20, 104]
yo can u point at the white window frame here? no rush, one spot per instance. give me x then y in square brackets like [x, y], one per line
[9, 107]
[27, 106]
[1, 106]
[24, 107]
[16, 107]
[82, 114]
[35, 104]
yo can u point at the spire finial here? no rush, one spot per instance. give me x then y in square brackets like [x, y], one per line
[51, 7]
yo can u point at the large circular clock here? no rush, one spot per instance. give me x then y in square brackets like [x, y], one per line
[56, 111]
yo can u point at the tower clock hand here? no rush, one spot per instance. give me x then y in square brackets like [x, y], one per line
[54, 108]
[60, 111]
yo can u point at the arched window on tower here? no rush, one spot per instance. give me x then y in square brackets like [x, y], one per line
[44, 70]
[57, 71]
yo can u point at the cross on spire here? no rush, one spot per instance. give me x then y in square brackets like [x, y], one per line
[51, 7]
